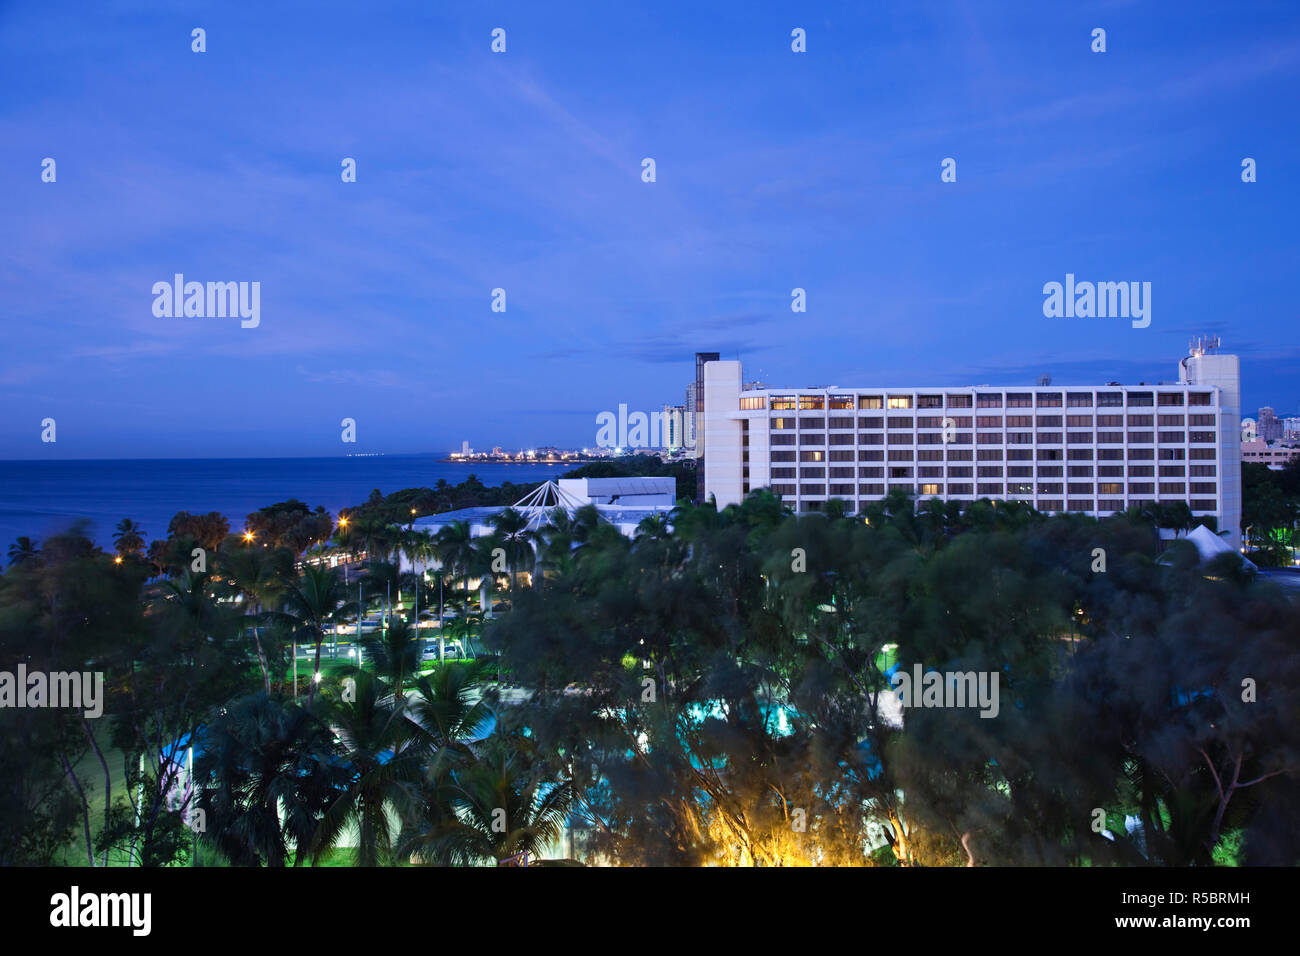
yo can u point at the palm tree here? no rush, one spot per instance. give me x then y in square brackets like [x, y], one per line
[395, 654]
[315, 602]
[503, 807]
[128, 539]
[23, 550]
[456, 550]
[513, 535]
[261, 577]
[382, 751]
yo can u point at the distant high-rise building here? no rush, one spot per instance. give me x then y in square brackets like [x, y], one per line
[697, 415]
[673, 421]
[1270, 426]
[1291, 429]
[465, 449]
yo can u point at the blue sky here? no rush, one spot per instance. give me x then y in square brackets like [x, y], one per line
[522, 170]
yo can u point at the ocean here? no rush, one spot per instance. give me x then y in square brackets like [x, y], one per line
[38, 498]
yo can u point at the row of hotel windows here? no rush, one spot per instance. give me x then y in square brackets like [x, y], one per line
[984, 471]
[1102, 505]
[982, 400]
[997, 438]
[1025, 489]
[998, 454]
[900, 422]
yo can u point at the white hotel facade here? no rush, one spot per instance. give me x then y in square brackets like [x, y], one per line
[1090, 449]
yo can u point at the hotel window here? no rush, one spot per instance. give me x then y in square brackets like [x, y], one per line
[811, 402]
[1204, 454]
[903, 421]
[1020, 488]
[988, 438]
[1173, 488]
[1020, 400]
[902, 454]
[1139, 421]
[1049, 421]
[1078, 438]
[930, 490]
[1141, 438]
[1202, 488]
[1080, 505]
[1143, 399]
[782, 456]
[783, 472]
[870, 455]
[1079, 490]
[1141, 471]
[1110, 505]
[840, 421]
[842, 439]
[841, 401]
[988, 421]
[1172, 471]
[1049, 399]
[900, 401]
[842, 454]
[1199, 398]
[1078, 399]
[959, 401]
[812, 421]
[1111, 438]
[1171, 398]
[1201, 438]
[1081, 471]
[784, 490]
[780, 402]
[871, 438]
[962, 471]
[988, 400]
[1020, 421]
[961, 421]
[926, 454]
[782, 439]
[842, 490]
[901, 438]
[869, 401]
[960, 489]
[1200, 420]
[871, 489]
[930, 438]
[1050, 471]
[1136, 454]
[929, 472]
[1203, 471]
[873, 422]
[1202, 504]
[1078, 421]
[871, 472]
[812, 438]
[957, 454]
[1080, 454]
[1172, 420]
[929, 401]
[929, 421]
[814, 490]
[990, 454]
[1110, 471]
[1172, 438]
[1020, 438]
[900, 472]
[752, 402]
[1050, 454]
[812, 456]
[1020, 454]
[781, 423]
[1050, 488]
[812, 472]
[1172, 454]
[984, 489]
[1049, 438]
[1110, 399]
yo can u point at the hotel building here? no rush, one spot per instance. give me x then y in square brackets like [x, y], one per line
[1091, 449]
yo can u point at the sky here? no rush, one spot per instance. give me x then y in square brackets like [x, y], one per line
[522, 171]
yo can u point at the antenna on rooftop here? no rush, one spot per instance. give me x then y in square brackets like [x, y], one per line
[1044, 380]
[1203, 345]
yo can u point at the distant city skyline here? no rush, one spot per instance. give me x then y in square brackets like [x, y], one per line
[522, 171]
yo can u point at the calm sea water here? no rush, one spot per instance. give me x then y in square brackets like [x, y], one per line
[38, 498]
